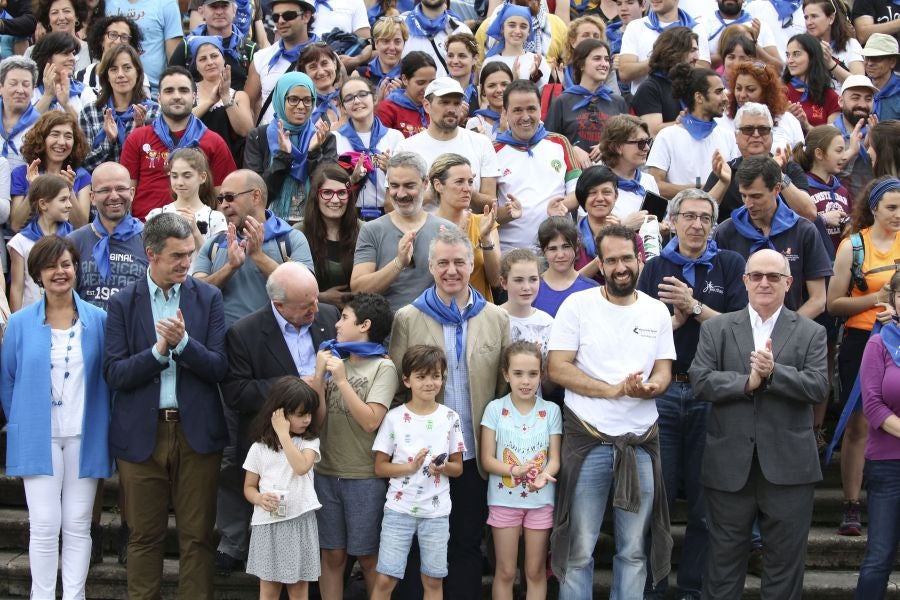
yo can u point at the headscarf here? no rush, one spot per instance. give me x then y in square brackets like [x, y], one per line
[495, 30]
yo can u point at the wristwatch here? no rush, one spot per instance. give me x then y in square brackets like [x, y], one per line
[786, 181]
[697, 308]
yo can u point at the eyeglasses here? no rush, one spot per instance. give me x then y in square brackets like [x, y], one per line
[692, 218]
[229, 197]
[295, 100]
[756, 277]
[394, 19]
[342, 195]
[349, 98]
[107, 191]
[643, 144]
[288, 15]
[761, 130]
[115, 36]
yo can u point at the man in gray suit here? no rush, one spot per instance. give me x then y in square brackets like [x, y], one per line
[762, 368]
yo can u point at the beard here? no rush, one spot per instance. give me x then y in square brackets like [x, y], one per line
[621, 290]
[852, 117]
[730, 10]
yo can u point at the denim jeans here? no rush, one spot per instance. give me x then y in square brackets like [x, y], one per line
[883, 506]
[595, 483]
[682, 437]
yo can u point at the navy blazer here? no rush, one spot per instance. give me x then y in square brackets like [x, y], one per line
[132, 372]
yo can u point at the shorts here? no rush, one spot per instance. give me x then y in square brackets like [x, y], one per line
[350, 517]
[397, 530]
[530, 518]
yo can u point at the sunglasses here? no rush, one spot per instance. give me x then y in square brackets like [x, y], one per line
[761, 130]
[643, 144]
[288, 15]
[757, 277]
[229, 197]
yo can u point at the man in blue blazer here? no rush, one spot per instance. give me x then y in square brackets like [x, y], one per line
[165, 353]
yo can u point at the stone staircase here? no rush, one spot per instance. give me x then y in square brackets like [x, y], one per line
[832, 561]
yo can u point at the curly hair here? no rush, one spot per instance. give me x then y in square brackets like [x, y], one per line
[53, 43]
[314, 223]
[137, 94]
[774, 95]
[618, 130]
[572, 31]
[841, 29]
[41, 10]
[34, 144]
[671, 48]
[97, 32]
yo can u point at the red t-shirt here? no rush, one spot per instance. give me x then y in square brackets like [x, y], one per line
[816, 114]
[147, 158]
[406, 121]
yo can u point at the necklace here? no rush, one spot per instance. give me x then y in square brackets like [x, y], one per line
[58, 400]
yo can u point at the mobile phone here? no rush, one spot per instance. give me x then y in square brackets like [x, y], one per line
[439, 459]
[655, 204]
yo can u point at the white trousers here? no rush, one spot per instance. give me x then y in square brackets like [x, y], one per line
[57, 502]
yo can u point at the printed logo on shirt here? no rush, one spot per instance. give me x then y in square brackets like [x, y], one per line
[556, 165]
[711, 288]
[790, 255]
[645, 332]
[155, 159]
[506, 172]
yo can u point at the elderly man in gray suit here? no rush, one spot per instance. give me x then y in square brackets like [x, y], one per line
[762, 368]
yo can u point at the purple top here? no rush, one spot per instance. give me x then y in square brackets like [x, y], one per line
[549, 300]
[880, 387]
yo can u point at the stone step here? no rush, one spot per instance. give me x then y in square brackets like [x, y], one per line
[108, 582]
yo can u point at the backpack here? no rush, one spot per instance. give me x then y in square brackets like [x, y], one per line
[857, 276]
[284, 245]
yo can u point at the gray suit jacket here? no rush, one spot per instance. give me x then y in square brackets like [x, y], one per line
[776, 419]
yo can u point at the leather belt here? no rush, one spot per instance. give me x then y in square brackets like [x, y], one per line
[169, 415]
[681, 378]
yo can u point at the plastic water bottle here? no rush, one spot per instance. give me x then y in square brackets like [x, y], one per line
[649, 233]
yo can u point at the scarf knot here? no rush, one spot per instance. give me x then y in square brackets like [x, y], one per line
[783, 219]
[400, 98]
[601, 93]
[189, 139]
[421, 26]
[698, 128]
[507, 138]
[683, 20]
[688, 265]
[631, 185]
[345, 349]
[375, 136]
[831, 187]
[33, 231]
[431, 304]
[25, 121]
[124, 231]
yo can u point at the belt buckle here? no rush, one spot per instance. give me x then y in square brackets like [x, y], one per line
[170, 415]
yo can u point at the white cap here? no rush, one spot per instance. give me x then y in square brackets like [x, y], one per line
[443, 86]
[858, 81]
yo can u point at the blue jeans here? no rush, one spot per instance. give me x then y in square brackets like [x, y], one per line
[682, 438]
[595, 482]
[883, 506]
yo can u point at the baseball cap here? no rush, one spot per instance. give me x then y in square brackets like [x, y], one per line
[858, 81]
[443, 86]
[881, 44]
[208, 2]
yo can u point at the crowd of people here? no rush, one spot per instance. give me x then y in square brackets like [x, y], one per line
[349, 281]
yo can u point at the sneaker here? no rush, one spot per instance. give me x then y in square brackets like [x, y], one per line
[821, 442]
[226, 565]
[850, 523]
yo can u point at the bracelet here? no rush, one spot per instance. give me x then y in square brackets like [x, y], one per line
[833, 67]
[398, 264]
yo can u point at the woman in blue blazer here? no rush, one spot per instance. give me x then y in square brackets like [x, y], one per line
[58, 417]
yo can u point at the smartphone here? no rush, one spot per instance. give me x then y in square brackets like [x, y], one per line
[655, 204]
[439, 459]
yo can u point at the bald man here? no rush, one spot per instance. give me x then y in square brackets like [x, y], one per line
[111, 248]
[279, 339]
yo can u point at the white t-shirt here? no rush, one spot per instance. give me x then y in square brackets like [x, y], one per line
[638, 40]
[277, 475]
[67, 417]
[401, 435]
[533, 180]
[611, 342]
[686, 160]
[474, 146]
[629, 202]
[268, 77]
[440, 40]
[534, 328]
[31, 293]
[215, 221]
[526, 64]
[851, 54]
[371, 195]
[782, 31]
[346, 15]
[715, 26]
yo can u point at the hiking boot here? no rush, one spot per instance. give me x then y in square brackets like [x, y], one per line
[850, 523]
[821, 442]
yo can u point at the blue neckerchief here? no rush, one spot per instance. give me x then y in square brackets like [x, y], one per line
[742, 18]
[293, 54]
[602, 92]
[785, 10]
[199, 32]
[344, 349]
[124, 231]
[471, 92]
[698, 128]
[783, 219]
[378, 132]
[495, 30]
[507, 138]
[34, 232]
[242, 16]
[274, 227]
[375, 70]
[890, 89]
[430, 303]
[684, 20]
[5, 15]
[631, 185]
[890, 337]
[190, 139]
[325, 103]
[323, 3]
[568, 77]
[373, 12]
[122, 120]
[25, 121]
[421, 26]
[831, 187]
[490, 114]
[800, 85]
[587, 238]
[670, 252]
[75, 89]
[400, 98]
[614, 35]
[839, 123]
[300, 134]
